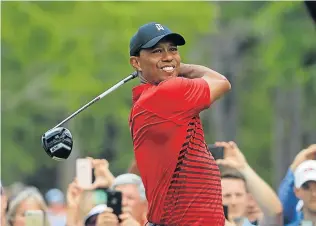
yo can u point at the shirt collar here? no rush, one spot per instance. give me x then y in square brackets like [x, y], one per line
[138, 90]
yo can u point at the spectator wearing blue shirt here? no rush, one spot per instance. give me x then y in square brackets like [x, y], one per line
[57, 208]
[290, 194]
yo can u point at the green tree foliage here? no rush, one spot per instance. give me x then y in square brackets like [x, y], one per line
[59, 55]
[56, 56]
[285, 35]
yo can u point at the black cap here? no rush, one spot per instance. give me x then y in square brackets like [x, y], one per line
[149, 35]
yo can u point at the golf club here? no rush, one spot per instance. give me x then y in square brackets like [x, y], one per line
[57, 142]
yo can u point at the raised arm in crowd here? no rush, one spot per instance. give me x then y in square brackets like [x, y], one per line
[297, 190]
[240, 183]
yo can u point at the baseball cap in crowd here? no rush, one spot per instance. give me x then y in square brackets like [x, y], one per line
[54, 196]
[149, 35]
[306, 171]
[91, 218]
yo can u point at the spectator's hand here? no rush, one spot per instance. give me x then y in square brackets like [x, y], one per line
[233, 157]
[306, 154]
[73, 194]
[107, 218]
[127, 219]
[103, 176]
[73, 201]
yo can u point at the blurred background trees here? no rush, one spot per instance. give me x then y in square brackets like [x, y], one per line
[56, 56]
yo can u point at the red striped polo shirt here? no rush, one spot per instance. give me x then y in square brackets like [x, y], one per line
[181, 178]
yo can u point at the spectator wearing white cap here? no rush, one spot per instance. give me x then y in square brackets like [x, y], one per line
[92, 217]
[297, 190]
[305, 189]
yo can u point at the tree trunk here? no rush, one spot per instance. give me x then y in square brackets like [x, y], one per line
[224, 113]
[66, 170]
[294, 109]
[288, 129]
[280, 156]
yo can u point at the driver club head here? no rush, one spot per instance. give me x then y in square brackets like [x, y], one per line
[57, 143]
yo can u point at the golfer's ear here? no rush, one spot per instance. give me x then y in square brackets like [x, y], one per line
[133, 60]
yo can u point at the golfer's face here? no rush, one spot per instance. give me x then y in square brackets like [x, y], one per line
[160, 62]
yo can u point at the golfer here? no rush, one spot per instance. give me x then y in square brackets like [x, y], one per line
[181, 178]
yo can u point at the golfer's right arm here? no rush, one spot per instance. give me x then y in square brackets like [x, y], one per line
[217, 83]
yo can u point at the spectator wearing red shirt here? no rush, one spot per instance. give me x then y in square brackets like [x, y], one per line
[181, 178]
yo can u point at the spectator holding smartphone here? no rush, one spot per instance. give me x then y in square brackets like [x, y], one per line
[74, 199]
[134, 196]
[30, 199]
[134, 203]
[300, 184]
[82, 203]
[244, 180]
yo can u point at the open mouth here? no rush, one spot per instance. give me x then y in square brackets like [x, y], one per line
[168, 69]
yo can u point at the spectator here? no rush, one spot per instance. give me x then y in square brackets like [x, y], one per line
[92, 217]
[241, 179]
[134, 203]
[13, 190]
[56, 207]
[253, 211]
[292, 206]
[28, 199]
[88, 200]
[4, 203]
[134, 195]
[305, 188]
[235, 193]
[74, 201]
[83, 206]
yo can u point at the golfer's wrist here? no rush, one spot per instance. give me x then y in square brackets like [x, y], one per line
[189, 71]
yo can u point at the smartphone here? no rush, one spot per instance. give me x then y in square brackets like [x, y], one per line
[225, 211]
[114, 201]
[217, 152]
[34, 218]
[306, 223]
[84, 172]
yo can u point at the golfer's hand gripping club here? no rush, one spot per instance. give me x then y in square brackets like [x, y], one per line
[57, 142]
